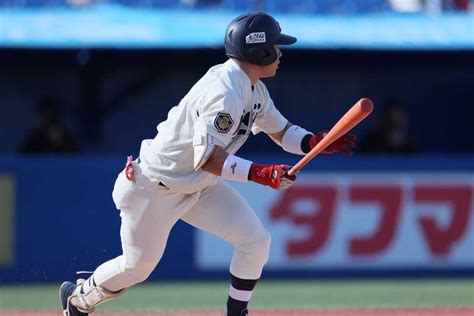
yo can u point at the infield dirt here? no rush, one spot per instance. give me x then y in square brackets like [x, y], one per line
[448, 311]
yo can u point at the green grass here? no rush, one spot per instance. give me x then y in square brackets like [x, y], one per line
[160, 296]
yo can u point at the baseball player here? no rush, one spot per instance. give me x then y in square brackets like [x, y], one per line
[181, 173]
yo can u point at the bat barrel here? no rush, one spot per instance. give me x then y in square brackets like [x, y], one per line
[366, 106]
[351, 118]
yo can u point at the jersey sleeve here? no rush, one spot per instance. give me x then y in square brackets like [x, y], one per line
[219, 118]
[269, 119]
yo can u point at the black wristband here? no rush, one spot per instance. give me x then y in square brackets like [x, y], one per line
[305, 147]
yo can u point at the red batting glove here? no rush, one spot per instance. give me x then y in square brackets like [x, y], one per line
[129, 172]
[274, 176]
[343, 144]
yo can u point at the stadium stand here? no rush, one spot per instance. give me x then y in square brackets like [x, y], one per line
[278, 6]
[176, 40]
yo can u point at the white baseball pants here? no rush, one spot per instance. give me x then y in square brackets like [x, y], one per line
[148, 213]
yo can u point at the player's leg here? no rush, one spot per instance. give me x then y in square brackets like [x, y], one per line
[223, 212]
[148, 212]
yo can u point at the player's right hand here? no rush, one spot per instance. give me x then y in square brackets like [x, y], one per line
[275, 176]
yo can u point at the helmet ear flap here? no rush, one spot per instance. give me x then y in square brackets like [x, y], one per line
[263, 56]
[229, 36]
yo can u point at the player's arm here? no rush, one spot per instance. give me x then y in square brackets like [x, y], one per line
[216, 161]
[278, 136]
[231, 167]
[293, 138]
[297, 140]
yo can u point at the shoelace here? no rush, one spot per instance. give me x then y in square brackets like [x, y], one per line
[84, 272]
[80, 281]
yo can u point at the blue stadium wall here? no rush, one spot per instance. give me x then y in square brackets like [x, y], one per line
[388, 215]
[57, 217]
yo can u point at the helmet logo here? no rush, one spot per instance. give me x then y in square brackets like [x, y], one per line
[256, 37]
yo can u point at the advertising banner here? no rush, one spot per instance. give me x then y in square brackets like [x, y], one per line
[360, 220]
[7, 227]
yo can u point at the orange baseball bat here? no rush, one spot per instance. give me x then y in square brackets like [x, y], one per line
[353, 116]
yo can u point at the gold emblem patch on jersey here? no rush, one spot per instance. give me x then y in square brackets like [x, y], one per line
[223, 122]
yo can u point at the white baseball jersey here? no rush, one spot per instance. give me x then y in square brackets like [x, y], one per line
[222, 104]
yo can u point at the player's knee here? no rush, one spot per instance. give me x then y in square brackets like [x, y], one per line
[263, 244]
[139, 270]
[258, 245]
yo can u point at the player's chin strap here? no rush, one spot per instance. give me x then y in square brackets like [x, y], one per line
[86, 301]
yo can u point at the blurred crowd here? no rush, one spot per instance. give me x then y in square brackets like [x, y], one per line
[49, 135]
[429, 5]
[283, 6]
[390, 134]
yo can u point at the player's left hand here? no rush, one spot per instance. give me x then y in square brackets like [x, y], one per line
[344, 144]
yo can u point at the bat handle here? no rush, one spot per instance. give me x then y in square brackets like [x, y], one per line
[292, 171]
[300, 164]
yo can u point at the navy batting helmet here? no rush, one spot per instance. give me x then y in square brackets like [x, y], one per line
[252, 36]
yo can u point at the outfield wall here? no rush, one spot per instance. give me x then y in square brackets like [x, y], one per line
[379, 216]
